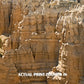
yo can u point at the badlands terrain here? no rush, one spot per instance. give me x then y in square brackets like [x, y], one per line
[42, 36]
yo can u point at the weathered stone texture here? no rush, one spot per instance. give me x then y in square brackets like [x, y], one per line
[71, 47]
[39, 36]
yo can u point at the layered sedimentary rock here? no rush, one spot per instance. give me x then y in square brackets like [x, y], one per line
[38, 35]
[35, 46]
[70, 66]
[5, 11]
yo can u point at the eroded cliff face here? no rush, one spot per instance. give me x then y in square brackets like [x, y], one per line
[69, 28]
[38, 35]
[5, 11]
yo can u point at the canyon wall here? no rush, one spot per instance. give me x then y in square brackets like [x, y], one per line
[70, 69]
[43, 37]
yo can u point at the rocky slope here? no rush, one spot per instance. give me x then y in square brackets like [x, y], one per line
[40, 36]
[70, 66]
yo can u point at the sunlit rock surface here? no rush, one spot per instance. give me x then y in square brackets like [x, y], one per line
[42, 36]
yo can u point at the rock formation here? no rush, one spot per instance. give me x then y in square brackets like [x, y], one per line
[70, 65]
[40, 36]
